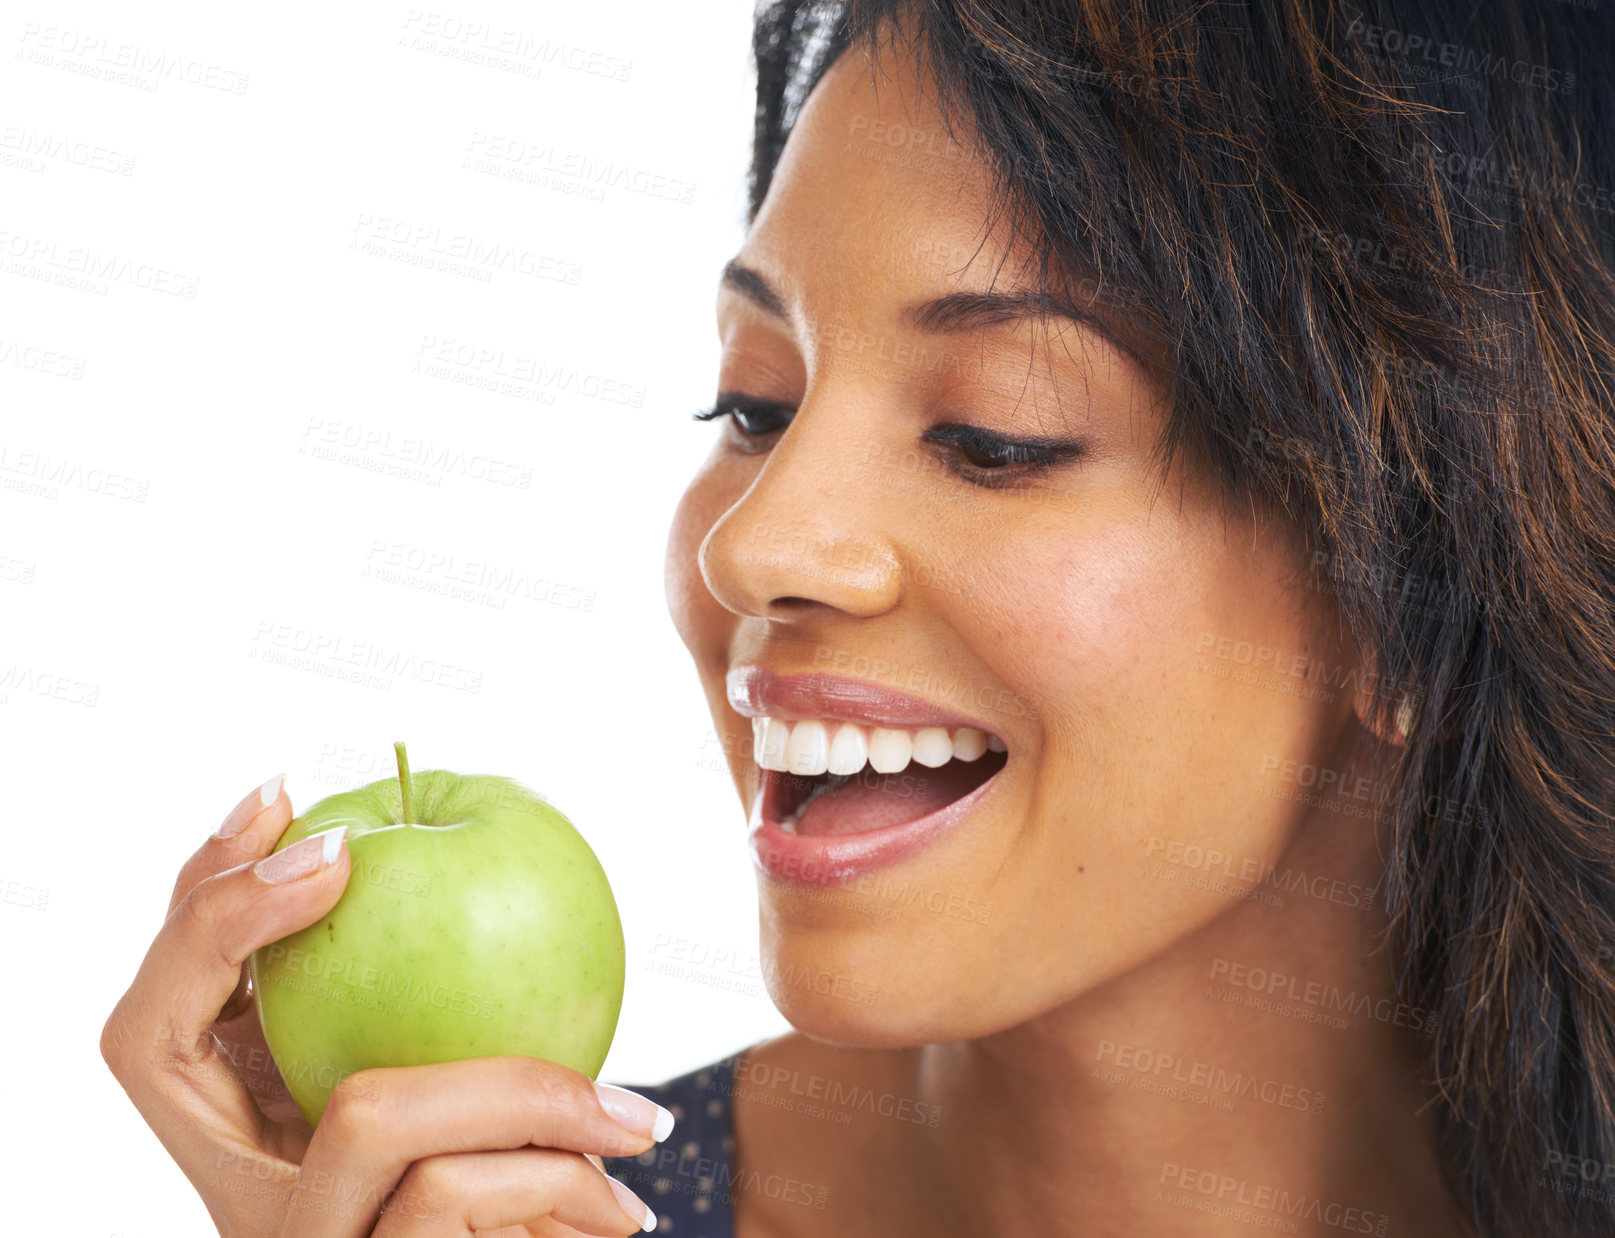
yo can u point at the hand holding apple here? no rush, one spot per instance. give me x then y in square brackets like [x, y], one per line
[490, 1141]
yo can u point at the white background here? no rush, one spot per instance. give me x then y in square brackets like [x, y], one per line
[189, 529]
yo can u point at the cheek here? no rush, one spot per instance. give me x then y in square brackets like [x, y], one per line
[1105, 621]
[1103, 625]
[1087, 620]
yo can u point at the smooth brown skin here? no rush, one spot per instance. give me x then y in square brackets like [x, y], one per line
[1075, 608]
[495, 1146]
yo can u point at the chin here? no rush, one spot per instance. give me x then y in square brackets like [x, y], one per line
[857, 986]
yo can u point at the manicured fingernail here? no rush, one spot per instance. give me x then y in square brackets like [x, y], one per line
[633, 1205]
[241, 818]
[302, 858]
[638, 1113]
[270, 791]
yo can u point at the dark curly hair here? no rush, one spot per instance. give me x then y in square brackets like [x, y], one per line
[1368, 248]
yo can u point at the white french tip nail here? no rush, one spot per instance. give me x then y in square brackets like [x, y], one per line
[664, 1125]
[333, 843]
[270, 791]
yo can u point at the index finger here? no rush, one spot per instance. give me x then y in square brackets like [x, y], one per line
[249, 831]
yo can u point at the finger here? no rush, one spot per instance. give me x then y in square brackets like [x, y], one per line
[241, 1035]
[251, 830]
[158, 1040]
[478, 1191]
[248, 832]
[379, 1122]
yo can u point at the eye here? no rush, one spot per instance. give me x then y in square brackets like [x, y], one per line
[753, 416]
[979, 454]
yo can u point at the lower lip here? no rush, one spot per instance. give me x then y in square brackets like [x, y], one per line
[837, 859]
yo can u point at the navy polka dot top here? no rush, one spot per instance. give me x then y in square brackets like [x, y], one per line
[687, 1180]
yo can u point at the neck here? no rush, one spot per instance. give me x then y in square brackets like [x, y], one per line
[1260, 1073]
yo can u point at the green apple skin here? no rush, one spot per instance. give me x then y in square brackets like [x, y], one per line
[485, 927]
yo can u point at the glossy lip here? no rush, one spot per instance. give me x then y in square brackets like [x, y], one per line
[835, 860]
[756, 692]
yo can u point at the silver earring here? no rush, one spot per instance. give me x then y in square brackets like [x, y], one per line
[1404, 716]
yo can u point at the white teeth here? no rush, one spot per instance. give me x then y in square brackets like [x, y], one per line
[969, 743]
[849, 750]
[932, 747]
[771, 744]
[808, 751]
[889, 751]
[815, 746]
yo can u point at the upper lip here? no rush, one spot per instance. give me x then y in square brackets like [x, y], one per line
[755, 691]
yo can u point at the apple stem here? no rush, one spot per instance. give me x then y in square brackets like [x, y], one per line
[408, 808]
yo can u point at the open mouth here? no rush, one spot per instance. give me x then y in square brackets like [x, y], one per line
[824, 778]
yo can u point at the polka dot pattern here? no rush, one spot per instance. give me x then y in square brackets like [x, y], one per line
[687, 1179]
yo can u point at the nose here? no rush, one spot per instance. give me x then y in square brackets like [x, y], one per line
[808, 533]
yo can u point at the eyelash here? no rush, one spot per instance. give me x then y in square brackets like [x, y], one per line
[735, 407]
[1006, 459]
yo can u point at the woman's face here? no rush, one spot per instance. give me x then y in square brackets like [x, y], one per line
[862, 560]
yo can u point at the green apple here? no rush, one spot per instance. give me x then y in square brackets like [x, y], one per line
[476, 922]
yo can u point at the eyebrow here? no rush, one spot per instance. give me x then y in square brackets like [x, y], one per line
[944, 315]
